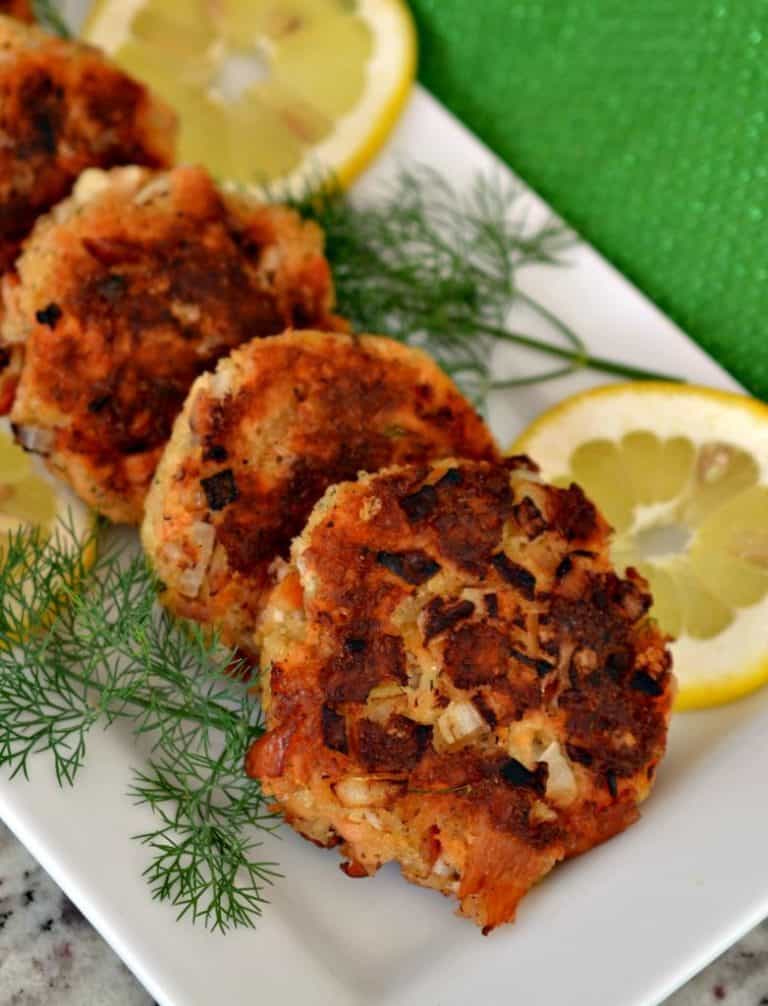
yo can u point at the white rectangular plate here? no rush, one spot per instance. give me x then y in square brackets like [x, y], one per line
[623, 925]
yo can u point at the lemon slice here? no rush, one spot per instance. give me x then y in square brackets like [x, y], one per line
[682, 474]
[30, 496]
[269, 90]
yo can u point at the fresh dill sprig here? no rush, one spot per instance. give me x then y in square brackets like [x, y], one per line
[438, 267]
[85, 646]
[49, 17]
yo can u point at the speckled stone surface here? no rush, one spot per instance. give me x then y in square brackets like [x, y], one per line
[738, 978]
[50, 955]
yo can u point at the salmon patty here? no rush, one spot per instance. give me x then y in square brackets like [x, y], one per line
[125, 293]
[456, 679]
[261, 440]
[63, 108]
[21, 9]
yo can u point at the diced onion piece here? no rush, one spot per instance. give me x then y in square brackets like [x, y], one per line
[271, 258]
[220, 381]
[34, 439]
[154, 188]
[365, 817]
[370, 508]
[441, 868]
[474, 594]
[278, 569]
[407, 612]
[460, 724]
[527, 740]
[389, 691]
[203, 537]
[91, 183]
[540, 813]
[373, 819]
[359, 792]
[561, 782]
[309, 578]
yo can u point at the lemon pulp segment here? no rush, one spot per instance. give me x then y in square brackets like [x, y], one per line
[31, 497]
[25, 497]
[262, 86]
[691, 518]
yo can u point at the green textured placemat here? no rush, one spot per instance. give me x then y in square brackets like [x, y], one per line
[644, 123]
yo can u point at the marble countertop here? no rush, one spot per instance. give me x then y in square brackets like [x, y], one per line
[49, 953]
[51, 956]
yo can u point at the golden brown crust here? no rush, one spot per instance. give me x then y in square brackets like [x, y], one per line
[456, 679]
[64, 108]
[125, 297]
[259, 443]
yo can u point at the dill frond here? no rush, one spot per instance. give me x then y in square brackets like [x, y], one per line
[81, 647]
[49, 17]
[437, 267]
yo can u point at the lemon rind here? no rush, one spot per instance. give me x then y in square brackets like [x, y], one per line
[728, 688]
